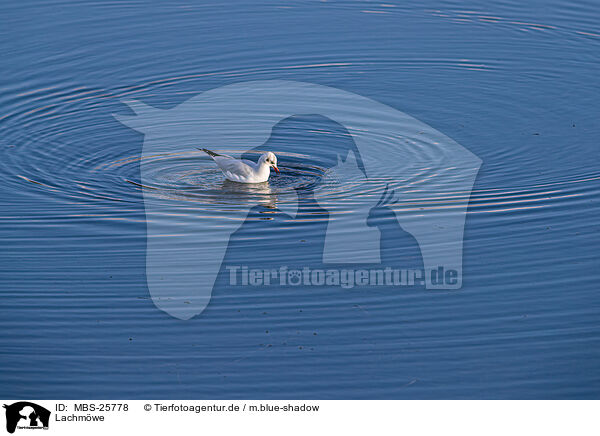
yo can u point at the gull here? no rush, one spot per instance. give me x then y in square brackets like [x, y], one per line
[242, 170]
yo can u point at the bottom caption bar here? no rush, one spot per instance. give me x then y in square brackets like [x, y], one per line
[471, 417]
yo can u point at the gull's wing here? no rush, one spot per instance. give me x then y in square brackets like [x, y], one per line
[234, 169]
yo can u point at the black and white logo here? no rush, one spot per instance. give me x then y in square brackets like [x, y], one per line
[26, 415]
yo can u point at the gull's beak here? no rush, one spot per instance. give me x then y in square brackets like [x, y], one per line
[276, 169]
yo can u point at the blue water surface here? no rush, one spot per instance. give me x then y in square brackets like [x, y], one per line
[516, 83]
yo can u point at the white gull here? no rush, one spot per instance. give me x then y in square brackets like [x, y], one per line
[242, 170]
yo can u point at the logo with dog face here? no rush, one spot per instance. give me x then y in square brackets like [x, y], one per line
[26, 415]
[414, 171]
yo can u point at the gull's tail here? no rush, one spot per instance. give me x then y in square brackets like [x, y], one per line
[210, 153]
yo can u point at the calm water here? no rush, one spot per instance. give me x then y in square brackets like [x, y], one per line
[515, 84]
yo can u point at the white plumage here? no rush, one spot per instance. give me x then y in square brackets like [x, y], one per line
[245, 171]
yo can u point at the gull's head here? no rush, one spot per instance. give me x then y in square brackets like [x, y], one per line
[270, 159]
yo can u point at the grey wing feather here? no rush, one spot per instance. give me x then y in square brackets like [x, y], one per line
[234, 169]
